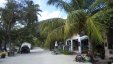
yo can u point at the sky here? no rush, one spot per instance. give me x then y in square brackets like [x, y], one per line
[48, 11]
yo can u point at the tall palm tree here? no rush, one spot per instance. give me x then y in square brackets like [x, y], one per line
[78, 19]
[8, 18]
[106, 19]
[30, 16]
[81, 19]
[30, 13]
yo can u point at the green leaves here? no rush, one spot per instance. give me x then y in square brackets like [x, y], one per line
[49, 25]
[51, 30]
[75, 22]
[18, 13]
[55, 35]
[79, 21]
[72, 5]
[94, 30]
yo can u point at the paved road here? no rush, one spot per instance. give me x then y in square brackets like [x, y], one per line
[39, 56]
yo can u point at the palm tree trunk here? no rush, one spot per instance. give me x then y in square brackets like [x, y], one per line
[9, 37]
[9, 40]
[91, 51]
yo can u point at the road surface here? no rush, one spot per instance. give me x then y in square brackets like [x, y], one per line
[39, 56]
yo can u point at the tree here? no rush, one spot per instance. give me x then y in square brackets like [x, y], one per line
[16, 13]
[81, 20]
[30, 16]
[106, 15]
[8, 18]
[50, 30]
[78, 20]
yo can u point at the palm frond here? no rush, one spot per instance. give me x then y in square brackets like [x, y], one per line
[95, 30]
[56, 35]
[46, 26]
[99, 4]
[72, 5]
[61, 4]
[75, 23]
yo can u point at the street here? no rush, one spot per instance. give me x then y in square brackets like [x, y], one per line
[39, 56]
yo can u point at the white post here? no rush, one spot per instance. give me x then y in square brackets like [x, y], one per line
[72, 45]
[107, 54]
[79, 40]
[56, 45]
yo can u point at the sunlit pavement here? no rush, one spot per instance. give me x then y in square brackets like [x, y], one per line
[40, 56]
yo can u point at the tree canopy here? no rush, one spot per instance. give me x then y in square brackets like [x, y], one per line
[25, 14]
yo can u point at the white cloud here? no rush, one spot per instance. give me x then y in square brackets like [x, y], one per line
[47, 15]
[2, 2]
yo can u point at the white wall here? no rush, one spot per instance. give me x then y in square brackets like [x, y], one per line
[79, 39]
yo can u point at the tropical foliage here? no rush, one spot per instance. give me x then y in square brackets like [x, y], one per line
[18, 22]
[51, 30]
[79, 20]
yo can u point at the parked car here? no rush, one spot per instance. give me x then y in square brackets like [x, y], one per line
[3, 54]
[25, 48]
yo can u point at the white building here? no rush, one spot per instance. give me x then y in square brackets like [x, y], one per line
[78, 44]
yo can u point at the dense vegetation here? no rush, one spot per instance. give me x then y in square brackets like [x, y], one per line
[89, 17]
[18, 22]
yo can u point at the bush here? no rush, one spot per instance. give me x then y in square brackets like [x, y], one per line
[3, 55]
[66, 52]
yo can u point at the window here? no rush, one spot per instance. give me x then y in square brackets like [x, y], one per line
[75, 44]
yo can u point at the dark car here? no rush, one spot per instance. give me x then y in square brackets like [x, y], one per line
[25, 49]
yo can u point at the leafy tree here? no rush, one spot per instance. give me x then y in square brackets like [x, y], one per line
[78, 20]
[8, 18]
[49, 30]
[16, 13]
[96, 15]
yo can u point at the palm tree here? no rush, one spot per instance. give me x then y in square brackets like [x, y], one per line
[30, 12]
[78, 20]
[30, 16]
[51, 30]
[8, 18]
[81, 19]
[106, 15]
